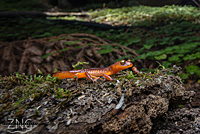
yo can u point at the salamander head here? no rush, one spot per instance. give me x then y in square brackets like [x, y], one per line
[121, 65]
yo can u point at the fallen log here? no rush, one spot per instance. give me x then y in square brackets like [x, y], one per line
[40, 14]
[130, 104]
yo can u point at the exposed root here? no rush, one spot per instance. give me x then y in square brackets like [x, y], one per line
[60, 52]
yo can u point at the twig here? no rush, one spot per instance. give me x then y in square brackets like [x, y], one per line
[23, 60]
[98, 56]
[125, 47]
[80, 54]
[196, 3]
[91, 60]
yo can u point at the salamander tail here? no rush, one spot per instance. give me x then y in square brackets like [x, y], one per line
[63, 75]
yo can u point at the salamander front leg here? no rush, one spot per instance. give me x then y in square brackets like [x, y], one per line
[108, 77]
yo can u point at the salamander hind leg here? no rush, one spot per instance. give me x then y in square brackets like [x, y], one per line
[91, 77]
[95, 78]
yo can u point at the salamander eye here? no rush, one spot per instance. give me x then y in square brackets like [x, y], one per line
[122, 62]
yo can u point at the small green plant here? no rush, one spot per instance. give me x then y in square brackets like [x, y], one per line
[180, 106]
[130, 75]
[61, 92]
[190, 70]
[78, 64]
[19, 101]
[193, 69]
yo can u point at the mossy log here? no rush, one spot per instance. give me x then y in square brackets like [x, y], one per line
[130, 104]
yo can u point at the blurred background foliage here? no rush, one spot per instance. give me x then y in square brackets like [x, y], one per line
[84, 5]
[171, 33]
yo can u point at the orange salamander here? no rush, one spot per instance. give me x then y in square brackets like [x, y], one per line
[93, 73]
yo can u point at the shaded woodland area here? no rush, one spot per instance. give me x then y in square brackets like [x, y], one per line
[41, 37]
